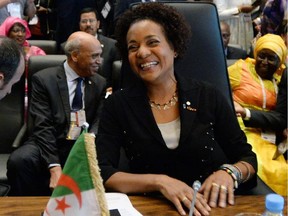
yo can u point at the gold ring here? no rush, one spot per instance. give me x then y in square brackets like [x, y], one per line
[185, 198]
[214, 184]
[223, 188]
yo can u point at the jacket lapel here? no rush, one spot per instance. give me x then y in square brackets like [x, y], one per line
[188, 105]
[138, 102]
[63, 90]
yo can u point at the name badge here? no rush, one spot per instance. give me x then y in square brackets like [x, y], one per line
[269, 136]
[77, 120]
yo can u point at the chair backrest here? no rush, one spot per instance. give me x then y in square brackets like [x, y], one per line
[49, 46]
[11, 116]
[205, 59]
[37, 63]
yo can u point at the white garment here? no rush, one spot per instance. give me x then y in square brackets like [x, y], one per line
[241, 26]
[171, 133]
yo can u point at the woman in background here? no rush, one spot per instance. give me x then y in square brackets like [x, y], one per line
[254, 84]
[17, 29]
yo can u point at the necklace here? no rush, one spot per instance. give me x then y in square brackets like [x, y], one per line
[172, 102]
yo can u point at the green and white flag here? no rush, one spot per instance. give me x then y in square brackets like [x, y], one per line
[80, 190]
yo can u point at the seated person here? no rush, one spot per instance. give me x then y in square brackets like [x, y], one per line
[18, 30]
[90, 23]
[62, 98]
[174, 130]
[230, 52]
[12, 65]
[254, 86]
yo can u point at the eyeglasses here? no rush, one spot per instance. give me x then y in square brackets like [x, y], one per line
[271, 59]
[85, 21]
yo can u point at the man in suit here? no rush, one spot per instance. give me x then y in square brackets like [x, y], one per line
[12, 65]
[230, 52]
[62, 99]
[90, 23]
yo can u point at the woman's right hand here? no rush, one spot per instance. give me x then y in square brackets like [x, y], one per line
[181, 195]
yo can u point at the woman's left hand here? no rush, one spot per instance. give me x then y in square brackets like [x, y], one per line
[218, 189]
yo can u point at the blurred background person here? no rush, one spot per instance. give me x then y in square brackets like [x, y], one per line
[237, 13]
[43, 24]
[230, 51]
[17, 29]
[16, 8]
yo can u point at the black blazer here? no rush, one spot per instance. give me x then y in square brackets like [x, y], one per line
[50, 111]
[236, 53]
[109, 55]
[210, 134]
[276, 119]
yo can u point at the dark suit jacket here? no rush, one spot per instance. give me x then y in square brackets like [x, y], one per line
[50, 111]
[109, 55]
[236, 53]
[276, 119]
[210, 135]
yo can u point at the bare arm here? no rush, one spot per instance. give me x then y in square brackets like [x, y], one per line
[3, 3]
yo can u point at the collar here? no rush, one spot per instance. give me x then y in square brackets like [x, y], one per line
[69, 72]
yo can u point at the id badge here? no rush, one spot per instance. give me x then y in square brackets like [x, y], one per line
[106, 9]
[77, 120]
[269, 136]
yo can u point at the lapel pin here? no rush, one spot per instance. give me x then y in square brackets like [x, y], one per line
[188, 107]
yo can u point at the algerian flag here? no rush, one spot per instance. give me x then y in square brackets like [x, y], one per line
[80, 190]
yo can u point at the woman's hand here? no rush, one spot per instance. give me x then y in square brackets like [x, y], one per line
[218, 189]
[180, 194]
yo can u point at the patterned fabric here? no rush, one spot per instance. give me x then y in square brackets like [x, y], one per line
[248, 92]
[273, 15]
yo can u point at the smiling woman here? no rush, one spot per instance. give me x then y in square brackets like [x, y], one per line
[254, 84]
[17, 29]
[171, 127]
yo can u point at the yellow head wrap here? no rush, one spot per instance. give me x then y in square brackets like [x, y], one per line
[272, 42]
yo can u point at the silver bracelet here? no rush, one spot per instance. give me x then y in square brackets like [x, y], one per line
[248, 170]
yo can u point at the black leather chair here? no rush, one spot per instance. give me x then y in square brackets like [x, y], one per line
[11, 123]
[37, 63]
[49, 46]
[14, 131]
[204, 60]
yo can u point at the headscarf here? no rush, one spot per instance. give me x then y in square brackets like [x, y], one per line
[9, 22]
[272, 42]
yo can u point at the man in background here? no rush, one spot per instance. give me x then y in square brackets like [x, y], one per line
[230, 52]
[90, 23]
[62, 99]
[12, 65]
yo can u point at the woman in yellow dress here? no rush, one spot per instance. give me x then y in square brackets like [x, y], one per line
[254, 84]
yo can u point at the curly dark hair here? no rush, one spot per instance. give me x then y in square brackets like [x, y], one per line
[176, 29]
